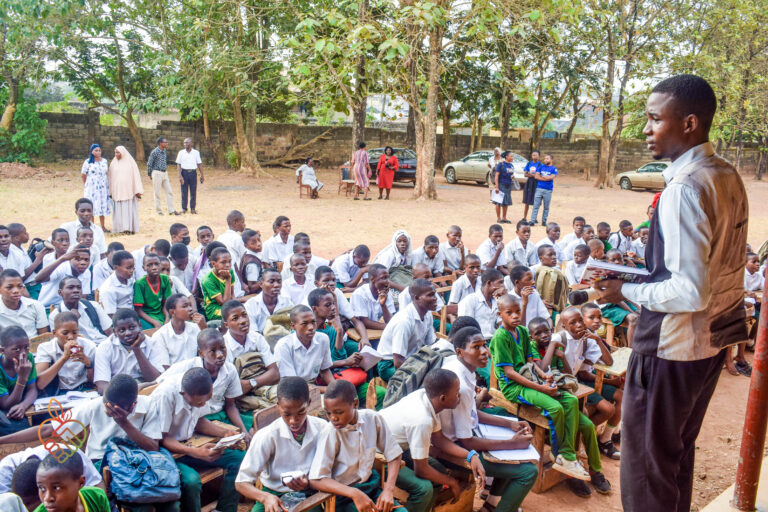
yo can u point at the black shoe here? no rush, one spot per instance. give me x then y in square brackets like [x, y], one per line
[532, 223]
[744, 368]
[183, 212]
[600, 484]
[616, 438]
[579, 488]
[609, 450]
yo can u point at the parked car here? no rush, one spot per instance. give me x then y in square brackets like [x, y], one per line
[406, 159]
[648, 176]
[474, 167]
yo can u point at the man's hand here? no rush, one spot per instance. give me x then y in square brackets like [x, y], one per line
[478, 470]
[385, 502]
[181, 179]
[273, 504]
[117, 413]
[499, 247]
[383, 297]
[526, 292]
[362, 502]
[610, 290]
[139, 340]
[208, 453]
[68, 353]
[199, 319]
[16, 412]
[23, 368]
[353, 360]
[298, 484]
[202, 179]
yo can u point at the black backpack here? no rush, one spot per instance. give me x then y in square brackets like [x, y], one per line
[411, 374]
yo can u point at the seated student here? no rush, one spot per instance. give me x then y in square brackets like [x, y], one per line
[84, 212]
[18, 389]
[22, 494]
[269, 301]
[19, 237]
[521, 250]
[596, 250]
[11, 257]
[240, 339]
[15, 309]
[491, 252]
[302, 246]
[74, 263]
[587, 234]
[576, 234]
[251, 265]
[511, 349]
[179, 267]
[511, 482]
[162, 247]
[374, 301]
[625, 313]
[297, 286]
[305, 352]
[481, 305]
[346, 450]
[93, 323]
[177, 286]
[553, 235]
[64, 363]
[287, 444]
[550, 282]
[326, 280]
[453, 251]
[410, 329]
[117, 291]
[61, 485]
[103, 269]
[415, 425]
[85, 241]
[397, 253]
[150, 293]
[574, 268]
[281, 243]
[467, 283]
[179, 336]
[520, 284]
[212, 356]
[456, 326]
[60, 241]
[129, 351]
[420, 271]
[430, 255]
[637, 251]
[232, 238]
[10, 463]
[219, 285]
[612, 386]
[138, 258]
[350, 268]
[622, 239]
[197, 256]
[179, 234]
[603, 232]
[180, 406]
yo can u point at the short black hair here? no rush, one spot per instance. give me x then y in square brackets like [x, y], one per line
[160, 139]
[297, 310]
[362, 250]
[228, 307]
[579, 218]
[196, 382]
[80, 229]
[212, 247]
[462, 336]
[203, 228]
[299, 244]
[341, 389]
[122, 390]
[270, 270]
[279, 220]
[294, 389]
[208, 334]
[162, 247]
[125, 314]
[624, 224]
[431, 240]
[218, 253]
[59, 231]
[316, 295]
[537, 322]
[63, 282]
[322, 270]
[375, 269]
[24, 479]
[517, 273]
[582, 248]
[152, 255]
[473, 257]
[115, 246]
[494, 228]
[490, 274]
[751, 254]
[248, 234]
[552, 225]
[15, 228]
[12, 334]
[693, 95]
[361, 145]
[71, 466]
[438, 382]
[170, 302]
[83, 200]
[64, 317]
[301, 236]
[9, 273]
[179, 250]
[521, 224]
[461, 322]
[120, 256]
[588, 306]
[603, 225]
[176, 228]
[234, 216]
[419, 286]
[543, 247]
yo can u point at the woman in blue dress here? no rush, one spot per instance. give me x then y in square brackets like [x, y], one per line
[94, 173]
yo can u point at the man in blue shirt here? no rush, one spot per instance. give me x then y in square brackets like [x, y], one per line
[544, 176]
[530, 185]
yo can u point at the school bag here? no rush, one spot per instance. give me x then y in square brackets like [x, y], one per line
[249, 366]
[411, 374]
[139, 476]
[35, 246]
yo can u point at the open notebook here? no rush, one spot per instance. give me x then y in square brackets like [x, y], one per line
[494, 432]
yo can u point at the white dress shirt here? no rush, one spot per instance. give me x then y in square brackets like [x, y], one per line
[98, 235]
[638, 247]
[555, 245]
[364, 304]
[459, 423]
[99, 273]
[521, 255]
[344, 268]
[452, 255]
[435, 265]
[406, 333]
[312, 265]
[580, 354]
[753, 283]
[294, 292]
[188, 160]
[294, 359]
[572, 245]
[114, 295]
[254, 342]
[172, 414]
[234, 242]
[49, 292]
[343, 305]
[620, 242]
[412, 422]
[474, 305]
[16, 260]
[574, 271]
[30, 316]
[258, 312]
[226, 385]
[86, 328]
[179, 346]
[113, 358]
[73, 373]
[275, 249]
[463, 287]
[10, 462]
[404, 299]
[487, 251]
[535, 307]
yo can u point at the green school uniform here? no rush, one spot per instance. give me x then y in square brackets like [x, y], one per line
[7, 383]
[93, 499]
[212, 287]
[150, 299]
[556, 363]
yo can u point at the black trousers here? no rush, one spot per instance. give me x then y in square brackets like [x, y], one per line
[189, 189]
[663, 407]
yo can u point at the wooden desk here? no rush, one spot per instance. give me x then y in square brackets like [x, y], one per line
[617, 369]
[373, 334]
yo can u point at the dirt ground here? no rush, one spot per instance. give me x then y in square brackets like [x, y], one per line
[42, 200]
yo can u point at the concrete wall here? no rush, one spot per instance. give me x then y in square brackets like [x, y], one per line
[69, 136]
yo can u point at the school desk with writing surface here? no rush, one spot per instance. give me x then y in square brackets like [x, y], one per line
[617, 369]
[373, 334]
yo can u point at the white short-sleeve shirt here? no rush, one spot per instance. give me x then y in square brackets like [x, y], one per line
[345, 308]
[572, 245]
[294, 292]
[73, 373]
[179, 346]
[487, 251]
[49, 292]
[226, 385]
[406, 333]
[638, 247]
[404, 299]
[574, 271]
[452, 255]
[10, 462]
[98, 235]
[188, 160]
[294, 359]
[258, 312]
[365, 304]
[275, 249]
[115, 295]
[173, 415]
[16, 260]
[575, 350]
[86, 328]
[113, 358]
[556, 246]
[344, 268]
[99, 273]
[254, 342]
[412, 422]
[535, 307]
[312, 265]
[30, 316]
[463, 287]
[521, 255]
[234, 242]
[459, 423]
[487, 316]
[435, 265]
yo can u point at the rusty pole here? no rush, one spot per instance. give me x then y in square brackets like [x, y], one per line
[756, 420]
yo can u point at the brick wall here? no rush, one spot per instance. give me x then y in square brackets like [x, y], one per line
[69, 136]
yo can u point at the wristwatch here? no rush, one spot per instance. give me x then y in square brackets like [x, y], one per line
[253, 383]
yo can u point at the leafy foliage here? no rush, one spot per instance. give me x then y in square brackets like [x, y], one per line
[27, 138]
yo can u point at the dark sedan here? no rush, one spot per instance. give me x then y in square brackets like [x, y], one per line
[406, 159]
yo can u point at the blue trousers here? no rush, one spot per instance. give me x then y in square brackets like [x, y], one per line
[541, 195]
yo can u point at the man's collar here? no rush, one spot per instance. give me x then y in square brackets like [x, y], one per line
[695, 153]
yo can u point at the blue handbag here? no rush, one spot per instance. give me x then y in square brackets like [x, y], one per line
[139, 476]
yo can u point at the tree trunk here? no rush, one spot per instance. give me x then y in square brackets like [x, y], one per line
[762, 164]
[410, 129]
[445, 154]
[136, 134]
[472, 124]
[479, 139]
[577, 107]
[248, 161]
[358, 124]
[10, 108]
[425, 181]
[206, 125]
[361, 89]
[605, 132]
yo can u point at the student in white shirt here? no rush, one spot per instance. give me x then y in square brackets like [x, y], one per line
[85, 241]
[511, 482]
[117, 291]
[588, 233]
[103, 269]
[74, 264]
[343, 462]
[754, 279]
[410, 329]
[197, 256]
[60, 242]
[268, 302]
[93, 323]
[520, 284]
[430, 255]
[453, 250]
[574, 268]
[10, 462]
[180, 267]
[179, 335]
[177, 285]
[481, 305]
[302, 246]
[397, 253]
[578, 233]
[281, 244]
[468, 283]
[415, 425]
[375, 300]
[13, 258]
[553, 235]
[305, 352]
[521, 251]
[16, 309]
[638, 245]
[491, 252]
[275, 449]
[129, 351]
[352, 266]
[420, 271]
[64, 363]
[297, 286]
[326, 279]
[84, 212]
[232, 238]
[622, 239]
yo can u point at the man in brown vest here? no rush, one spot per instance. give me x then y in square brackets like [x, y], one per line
[692, 303]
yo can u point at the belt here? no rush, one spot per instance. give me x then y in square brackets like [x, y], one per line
[159, 170]
[189, 170]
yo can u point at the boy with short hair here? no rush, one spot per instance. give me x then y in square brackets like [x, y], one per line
[61, 484]
[552, 238]
[60, 241]
[177, 286]
[521, 250]
[453, 251]
[469, 282]
[375, 300]
[551, 283]
[269, 301]
[281, 244]
[343, 461]
[85, 241]
[18, 389]
[64, 363]
[305, 352]
[102, 270]
[481, 305]
[520, 284]
[233, 236]
[251, 265]
[10, 463]
[622, 239]
[84, 212]
[180, 268]
[117, 291]
[350, 268]
[302, 246]
[596, 250]
[218, 286]
[638, 245]
[197, 256]
[22, 494]
[587, 234]
[74, 263]
[150, 293]
[603, 233]
[574, 268]
[297, 286]
[240, 339]
[430, 255]
[11, 257]
[15, 309]
[179, 336]
[326, 279]
[491, 252]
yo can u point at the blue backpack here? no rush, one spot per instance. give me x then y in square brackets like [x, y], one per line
[139, 476]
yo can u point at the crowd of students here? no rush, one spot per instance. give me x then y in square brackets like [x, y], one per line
[240, 323]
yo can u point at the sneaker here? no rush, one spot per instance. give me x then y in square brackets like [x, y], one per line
[609, 450]
[578, 488]
[600, 484]
[572, 468]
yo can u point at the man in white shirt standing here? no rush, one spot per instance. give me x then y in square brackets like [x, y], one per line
[692, 303]
[188, 162]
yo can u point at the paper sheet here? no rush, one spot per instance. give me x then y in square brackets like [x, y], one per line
[370, 357]
[497, 197]
[494, 432]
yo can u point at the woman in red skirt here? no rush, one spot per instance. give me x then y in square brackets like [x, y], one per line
[386, 170]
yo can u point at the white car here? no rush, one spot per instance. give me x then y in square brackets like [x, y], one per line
[474, 167]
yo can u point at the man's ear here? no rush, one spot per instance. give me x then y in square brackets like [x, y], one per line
[691, 123]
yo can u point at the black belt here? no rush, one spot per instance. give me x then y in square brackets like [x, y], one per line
[159, 170]
[189, 170]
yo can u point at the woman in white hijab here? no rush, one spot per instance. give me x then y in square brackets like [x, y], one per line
[126, 189]
[398, 252]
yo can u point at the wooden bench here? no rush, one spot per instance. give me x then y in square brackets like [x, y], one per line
[35, 341]
[617, 369]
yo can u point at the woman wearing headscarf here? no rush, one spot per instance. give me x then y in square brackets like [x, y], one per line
[126, 189]
[96, 186]
[361, 171]
[386, 168]
[397, 253]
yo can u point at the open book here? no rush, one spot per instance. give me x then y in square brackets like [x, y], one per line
[493, 432]
[69, 399]
[370, 357]
[601, 270]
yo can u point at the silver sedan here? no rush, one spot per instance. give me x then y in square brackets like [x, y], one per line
[474, 167]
